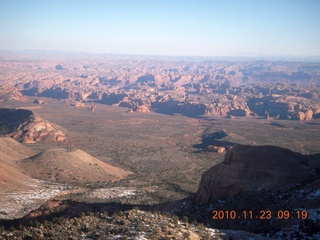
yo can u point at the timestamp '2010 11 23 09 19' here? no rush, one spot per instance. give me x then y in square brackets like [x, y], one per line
[262, 214]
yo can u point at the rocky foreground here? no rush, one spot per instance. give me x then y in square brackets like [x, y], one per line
[131, 224]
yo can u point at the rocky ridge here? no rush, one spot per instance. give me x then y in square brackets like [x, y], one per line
[25, 126]
[284, 90]
[247, 168]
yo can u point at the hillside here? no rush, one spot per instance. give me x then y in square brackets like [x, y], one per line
[62, 166]
[13, 150]
[246, 168]
[11, 175]
[19, 193]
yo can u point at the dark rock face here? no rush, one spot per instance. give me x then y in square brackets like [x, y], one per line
[187, 109]
[10, 119]
[57, 93]
[112, 98]
[247, 168]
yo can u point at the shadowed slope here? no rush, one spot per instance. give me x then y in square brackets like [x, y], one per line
[247, 168]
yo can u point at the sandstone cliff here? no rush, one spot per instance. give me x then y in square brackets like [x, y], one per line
[247, 168]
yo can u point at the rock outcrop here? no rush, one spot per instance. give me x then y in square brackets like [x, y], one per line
[212, 148]
[247, 168]
[38, 101]
[10, 94]
[142, 109]
[27, 127]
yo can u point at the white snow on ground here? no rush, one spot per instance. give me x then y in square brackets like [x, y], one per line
[17, 203]
[113, 192]
[141, 237]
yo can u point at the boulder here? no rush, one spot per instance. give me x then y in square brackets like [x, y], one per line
[38, 101]
[308, 114]
[247, 168]
[216, 149]
[298, 116]
[78, 104]
[143, 109]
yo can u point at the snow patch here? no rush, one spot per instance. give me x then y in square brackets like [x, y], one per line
[113, 192]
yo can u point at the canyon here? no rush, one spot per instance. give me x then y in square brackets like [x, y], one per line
[95, 137]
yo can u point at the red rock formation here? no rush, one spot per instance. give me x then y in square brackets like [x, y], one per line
[308, 114]
[38, 101]
[92, 108]
[247, 168]
[298, 116]
[143, 109]
[78, 104]
[27, 127]
[217, 149]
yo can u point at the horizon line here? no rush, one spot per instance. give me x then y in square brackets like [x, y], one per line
[251, 56]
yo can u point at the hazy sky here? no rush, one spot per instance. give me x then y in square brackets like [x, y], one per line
[163, 27]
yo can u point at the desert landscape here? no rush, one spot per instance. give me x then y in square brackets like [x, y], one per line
[149, 147]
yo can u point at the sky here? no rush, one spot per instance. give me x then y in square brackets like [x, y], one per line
[163, 27]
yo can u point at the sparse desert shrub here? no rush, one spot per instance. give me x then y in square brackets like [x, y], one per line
[91, 214]
[186, 235]
[185, 219]
[120, 213]
[140, 226]
[35, 236]
[175, 219]
[46, 224]
[49, 235]
[167, 237]
[154, 236]
[201, 226]
[59, 220]
[37, 224]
